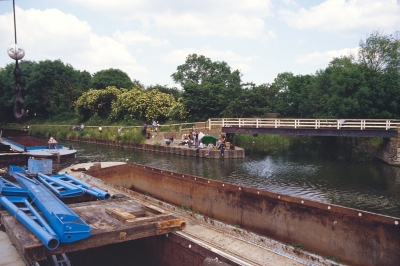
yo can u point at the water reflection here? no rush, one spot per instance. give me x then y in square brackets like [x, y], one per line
[371, 186]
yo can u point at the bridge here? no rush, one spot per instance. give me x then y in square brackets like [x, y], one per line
[384, 128]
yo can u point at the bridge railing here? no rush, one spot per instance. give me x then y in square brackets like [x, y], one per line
[360, 124]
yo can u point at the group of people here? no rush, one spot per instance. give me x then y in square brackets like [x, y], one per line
[80, 128]
[146, 129]
[194, 139]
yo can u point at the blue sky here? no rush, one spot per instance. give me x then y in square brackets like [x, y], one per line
[149, 39]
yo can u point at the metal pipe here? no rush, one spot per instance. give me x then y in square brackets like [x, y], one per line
[69, 190]
[10, 189]
[50, 241]
[68, 226]
[89, 189]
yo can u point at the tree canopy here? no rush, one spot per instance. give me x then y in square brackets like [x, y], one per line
[111, 77]
[209, 87]
[366, 85]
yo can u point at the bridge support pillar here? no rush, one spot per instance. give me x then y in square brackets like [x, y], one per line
[388, 152]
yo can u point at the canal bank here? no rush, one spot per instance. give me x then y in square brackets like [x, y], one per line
[158, 143]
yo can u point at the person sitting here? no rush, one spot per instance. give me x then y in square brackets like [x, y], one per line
[190, 143]
[184, 142]
[201, 146]
[209, 148]
[218, 144]
[169, 141]
[222, 149]
[232, 148]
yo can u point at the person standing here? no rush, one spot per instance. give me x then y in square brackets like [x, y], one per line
[148, 132]
[144, 128]
[196, 139]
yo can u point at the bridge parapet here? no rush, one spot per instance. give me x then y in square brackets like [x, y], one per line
[292, 123]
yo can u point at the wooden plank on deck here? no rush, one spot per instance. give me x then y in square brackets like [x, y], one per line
[105, 228]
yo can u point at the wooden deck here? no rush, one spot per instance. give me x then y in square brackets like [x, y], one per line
[111, 221]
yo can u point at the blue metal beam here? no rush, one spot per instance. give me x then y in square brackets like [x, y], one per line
[35, 223]
[68, 226]
[88, 188]
[59, 187]
[10, 189]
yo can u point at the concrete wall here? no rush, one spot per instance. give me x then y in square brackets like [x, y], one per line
[389, 152]
[353, 236]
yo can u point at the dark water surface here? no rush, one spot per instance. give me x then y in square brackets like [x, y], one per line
[369, 186]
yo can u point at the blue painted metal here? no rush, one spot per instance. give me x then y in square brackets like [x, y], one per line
[68, 226]
[35, 223]
[88, 188]
[44, 166]
[10, 189]
[61, 188]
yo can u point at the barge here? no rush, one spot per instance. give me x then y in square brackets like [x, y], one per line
[347, 235]
[19, 149]
[226, 225]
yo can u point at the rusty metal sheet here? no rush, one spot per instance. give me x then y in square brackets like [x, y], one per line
[353, 236]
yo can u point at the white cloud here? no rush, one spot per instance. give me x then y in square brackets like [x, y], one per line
[218, 18]
[243, 68]
[132, 38]
[178, 57]
[323, 58]
[346, 16]
[52, 34]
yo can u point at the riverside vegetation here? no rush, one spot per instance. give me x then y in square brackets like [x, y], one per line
[324, 147]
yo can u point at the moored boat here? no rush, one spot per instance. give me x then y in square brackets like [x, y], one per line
[29, 147]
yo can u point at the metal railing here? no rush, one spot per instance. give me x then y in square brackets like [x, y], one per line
[293, 123]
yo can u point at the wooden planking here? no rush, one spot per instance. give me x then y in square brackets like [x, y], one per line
[105, 229]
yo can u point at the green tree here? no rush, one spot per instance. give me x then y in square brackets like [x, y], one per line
[380, 52]
[52, 87]
[165, 89]
[209, 87]
[143, 104]
[253, 101]
[111, 77]
[97, 102]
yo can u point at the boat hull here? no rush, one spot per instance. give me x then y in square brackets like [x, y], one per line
[353, 236]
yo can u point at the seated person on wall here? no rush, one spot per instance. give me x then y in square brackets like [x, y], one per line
[190, 143]
[222, 148]
[218, 144]
[201, 146]
[169, 141]
[184, 142]
[232, 147]
[210, 146]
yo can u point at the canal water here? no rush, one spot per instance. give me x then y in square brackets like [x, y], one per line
[370, 186]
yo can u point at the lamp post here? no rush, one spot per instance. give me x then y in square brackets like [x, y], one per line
[17, 53]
